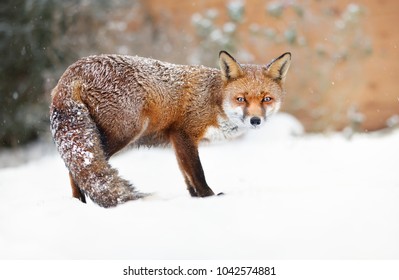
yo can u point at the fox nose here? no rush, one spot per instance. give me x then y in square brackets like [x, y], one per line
[255, 121]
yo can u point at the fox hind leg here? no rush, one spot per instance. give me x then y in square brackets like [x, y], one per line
[76, 191]
[79, 143]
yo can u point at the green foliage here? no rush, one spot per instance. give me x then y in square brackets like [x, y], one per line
[35, 47]
[217, 37]
[25, 34]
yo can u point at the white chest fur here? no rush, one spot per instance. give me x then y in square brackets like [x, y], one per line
[226, 130]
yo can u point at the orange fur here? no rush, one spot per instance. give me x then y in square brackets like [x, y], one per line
[103, 103]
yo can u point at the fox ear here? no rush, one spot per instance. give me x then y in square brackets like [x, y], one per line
[278, 68]
[231, 69]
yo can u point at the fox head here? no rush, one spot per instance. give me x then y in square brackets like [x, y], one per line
[252, 92]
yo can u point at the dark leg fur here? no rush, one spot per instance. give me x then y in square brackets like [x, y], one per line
[190, 164]
[192, 191]
[190, 188]
[76, 191]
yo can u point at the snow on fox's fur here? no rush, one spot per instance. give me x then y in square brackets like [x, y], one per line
[103, 103]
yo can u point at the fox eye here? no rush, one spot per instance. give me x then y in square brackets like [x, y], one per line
[267, 99]
[240, 99]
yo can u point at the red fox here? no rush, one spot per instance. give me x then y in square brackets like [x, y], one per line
[103, 103]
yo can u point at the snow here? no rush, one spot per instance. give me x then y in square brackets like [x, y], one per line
[287, 196]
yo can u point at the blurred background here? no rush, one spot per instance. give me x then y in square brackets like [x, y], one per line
[342, 77]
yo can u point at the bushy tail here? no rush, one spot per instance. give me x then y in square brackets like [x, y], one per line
[78, 141]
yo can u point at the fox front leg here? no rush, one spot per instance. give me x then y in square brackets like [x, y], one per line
[189, 162]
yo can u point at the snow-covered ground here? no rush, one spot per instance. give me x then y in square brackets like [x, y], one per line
[286, 197]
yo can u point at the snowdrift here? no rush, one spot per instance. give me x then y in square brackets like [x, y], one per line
[287, 196]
